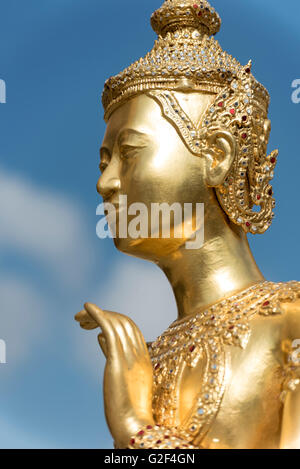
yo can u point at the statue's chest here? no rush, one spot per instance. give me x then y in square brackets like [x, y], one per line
[216, 368]
[206, 385]
[189, 382]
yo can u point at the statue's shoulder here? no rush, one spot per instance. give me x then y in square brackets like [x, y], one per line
[289, 296]
[289, 303]
[283, 297]
[284, 302]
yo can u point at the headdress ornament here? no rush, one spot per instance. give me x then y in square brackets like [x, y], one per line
[186, 57]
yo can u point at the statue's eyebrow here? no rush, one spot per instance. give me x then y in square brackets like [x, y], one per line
[139, 138]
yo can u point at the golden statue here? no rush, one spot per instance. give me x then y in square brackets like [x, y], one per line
[186, 124]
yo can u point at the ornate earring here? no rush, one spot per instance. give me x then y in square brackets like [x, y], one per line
[248, 182]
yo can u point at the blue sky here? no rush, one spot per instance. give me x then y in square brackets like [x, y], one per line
[54, 57]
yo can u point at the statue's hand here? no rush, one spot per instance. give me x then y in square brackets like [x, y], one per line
[128, 373]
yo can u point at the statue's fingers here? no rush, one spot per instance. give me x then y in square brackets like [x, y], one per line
[136, 334]
[139, 339]
[129, 327]
[81, 315]
[132, 339]
[86, 321]
[88, 326]
[127, 339]
[113, 345]
[141, 343]
[96, 313]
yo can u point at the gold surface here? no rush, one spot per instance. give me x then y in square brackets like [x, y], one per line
[224, 375]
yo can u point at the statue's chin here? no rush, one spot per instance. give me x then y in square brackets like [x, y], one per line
[149, 248]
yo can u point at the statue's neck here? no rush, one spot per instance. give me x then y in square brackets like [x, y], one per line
[223, 266]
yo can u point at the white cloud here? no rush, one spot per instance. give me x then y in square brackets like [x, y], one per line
[44, 225]
[139, 290]
[47, 227]
[23, 320]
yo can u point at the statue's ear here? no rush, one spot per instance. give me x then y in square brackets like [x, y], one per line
[219, 156]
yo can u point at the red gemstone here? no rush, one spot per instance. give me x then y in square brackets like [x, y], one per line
[244, 118]
[248, 70]
[158, 442]
[212, 318]
[266, 303]
[141, 433]
[166, 437]
[273, 160]
[220, 104]
[270, 192]
[200, 13]
[248, 224]
[244, 135]
[232, 112]
[195, 6]
[149, 427]
[231, 327]
[132, 441]
[258, 197]
[157, 366]
[192, 348]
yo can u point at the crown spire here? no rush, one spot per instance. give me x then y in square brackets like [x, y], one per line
[185, 55]
[179, 14]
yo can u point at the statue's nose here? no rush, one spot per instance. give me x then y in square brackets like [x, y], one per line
[107, 186]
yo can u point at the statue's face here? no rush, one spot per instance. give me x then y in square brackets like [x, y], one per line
[143, 157]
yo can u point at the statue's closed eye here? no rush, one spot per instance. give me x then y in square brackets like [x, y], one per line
[129, 151]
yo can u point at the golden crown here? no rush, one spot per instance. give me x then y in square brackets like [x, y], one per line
[183, 56]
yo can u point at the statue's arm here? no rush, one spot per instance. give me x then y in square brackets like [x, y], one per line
[290, 434]
[128, 383]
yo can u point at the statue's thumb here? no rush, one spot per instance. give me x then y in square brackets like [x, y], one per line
[102, 343]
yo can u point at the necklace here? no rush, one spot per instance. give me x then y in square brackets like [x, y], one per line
[204, 336]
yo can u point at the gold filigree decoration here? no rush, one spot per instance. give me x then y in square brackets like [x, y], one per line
[183, 57]
[291, 369]
[174, 15]
[172, 111]
[160, 437]
[204, 337]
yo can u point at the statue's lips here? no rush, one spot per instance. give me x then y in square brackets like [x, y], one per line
[119, 208]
